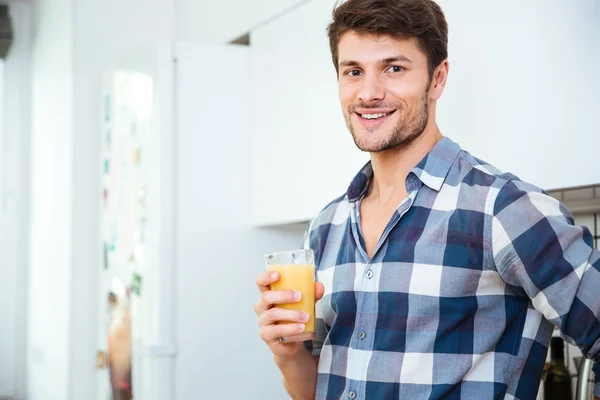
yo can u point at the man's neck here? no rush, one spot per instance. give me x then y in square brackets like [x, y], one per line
[391, 167]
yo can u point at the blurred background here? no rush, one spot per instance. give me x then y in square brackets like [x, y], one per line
[152, 151]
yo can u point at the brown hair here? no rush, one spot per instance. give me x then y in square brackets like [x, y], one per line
[419, 19]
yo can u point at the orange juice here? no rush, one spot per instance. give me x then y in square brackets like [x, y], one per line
[299, 277]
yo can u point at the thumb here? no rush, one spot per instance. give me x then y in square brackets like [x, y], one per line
[319, 290]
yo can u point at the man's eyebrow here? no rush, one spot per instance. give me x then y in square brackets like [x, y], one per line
[349, 63]
[388, 60]
[400, 57]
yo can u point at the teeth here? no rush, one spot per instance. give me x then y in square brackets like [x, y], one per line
[373, 116]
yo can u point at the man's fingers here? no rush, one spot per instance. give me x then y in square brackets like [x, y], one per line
[271, 297]
[319, 290]
[279, 314]
[301, 337]
[259, 308]
[264, 280]
[271, 333]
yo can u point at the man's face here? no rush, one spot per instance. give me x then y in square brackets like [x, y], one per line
[384, 90]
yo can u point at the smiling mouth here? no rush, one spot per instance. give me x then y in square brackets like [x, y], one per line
[374, 117]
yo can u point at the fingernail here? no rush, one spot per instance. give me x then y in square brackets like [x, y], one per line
[274, 275]
[305, 316]
[297, 295]
[300, 327]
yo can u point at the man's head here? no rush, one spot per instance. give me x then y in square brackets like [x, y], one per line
[390, 57]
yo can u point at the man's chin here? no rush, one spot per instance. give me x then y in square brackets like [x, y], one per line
[370, 146]
[374, 146]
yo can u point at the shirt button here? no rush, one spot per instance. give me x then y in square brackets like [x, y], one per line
[352, 395]
[361, 335]
[370, 274]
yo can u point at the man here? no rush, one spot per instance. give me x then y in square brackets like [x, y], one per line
[440, 276]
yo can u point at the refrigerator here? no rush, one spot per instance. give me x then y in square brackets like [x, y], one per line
[167, 113]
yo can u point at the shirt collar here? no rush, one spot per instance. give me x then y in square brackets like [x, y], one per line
[431, 170]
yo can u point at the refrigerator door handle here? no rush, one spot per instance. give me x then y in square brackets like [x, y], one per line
[583, 379]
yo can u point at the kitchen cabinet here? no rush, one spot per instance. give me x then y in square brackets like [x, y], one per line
[525, 98]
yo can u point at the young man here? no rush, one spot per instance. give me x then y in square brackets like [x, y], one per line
[440, 276]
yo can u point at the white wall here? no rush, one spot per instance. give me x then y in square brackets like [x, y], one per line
[52, 200]
[13, 206]
[221, 21]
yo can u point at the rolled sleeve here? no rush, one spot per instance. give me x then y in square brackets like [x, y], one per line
[537, 248]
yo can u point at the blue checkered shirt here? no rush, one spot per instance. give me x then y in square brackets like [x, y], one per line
[459, 300]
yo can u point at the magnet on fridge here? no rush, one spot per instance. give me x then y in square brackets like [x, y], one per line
[142, 224]
[141, 196]
[113, 244]
[105, 247]
[107, 108]
[136, 156]
[136, 284]
[106, 166]
[139, 253]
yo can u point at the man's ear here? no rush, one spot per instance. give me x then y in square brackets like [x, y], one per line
[438, 83]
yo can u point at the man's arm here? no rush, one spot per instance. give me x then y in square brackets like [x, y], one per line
[287, 341]
[537, 247]
[299, 375]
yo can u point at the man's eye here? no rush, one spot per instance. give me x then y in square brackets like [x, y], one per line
[396, 68]
[353, 72]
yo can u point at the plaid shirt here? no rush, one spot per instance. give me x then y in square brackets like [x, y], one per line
[460, 298]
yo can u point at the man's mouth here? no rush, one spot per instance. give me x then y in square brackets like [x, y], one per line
[370, 118]
[375, 116]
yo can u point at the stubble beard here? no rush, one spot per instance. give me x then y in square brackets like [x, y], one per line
[407, 130]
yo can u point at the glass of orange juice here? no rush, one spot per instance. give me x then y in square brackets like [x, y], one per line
[297, 272]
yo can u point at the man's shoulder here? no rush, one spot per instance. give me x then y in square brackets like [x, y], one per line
[503, 187]
[473, 170]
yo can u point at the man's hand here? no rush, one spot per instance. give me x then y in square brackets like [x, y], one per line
[269, 315]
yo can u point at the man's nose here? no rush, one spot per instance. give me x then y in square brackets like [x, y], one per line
[371, 89]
